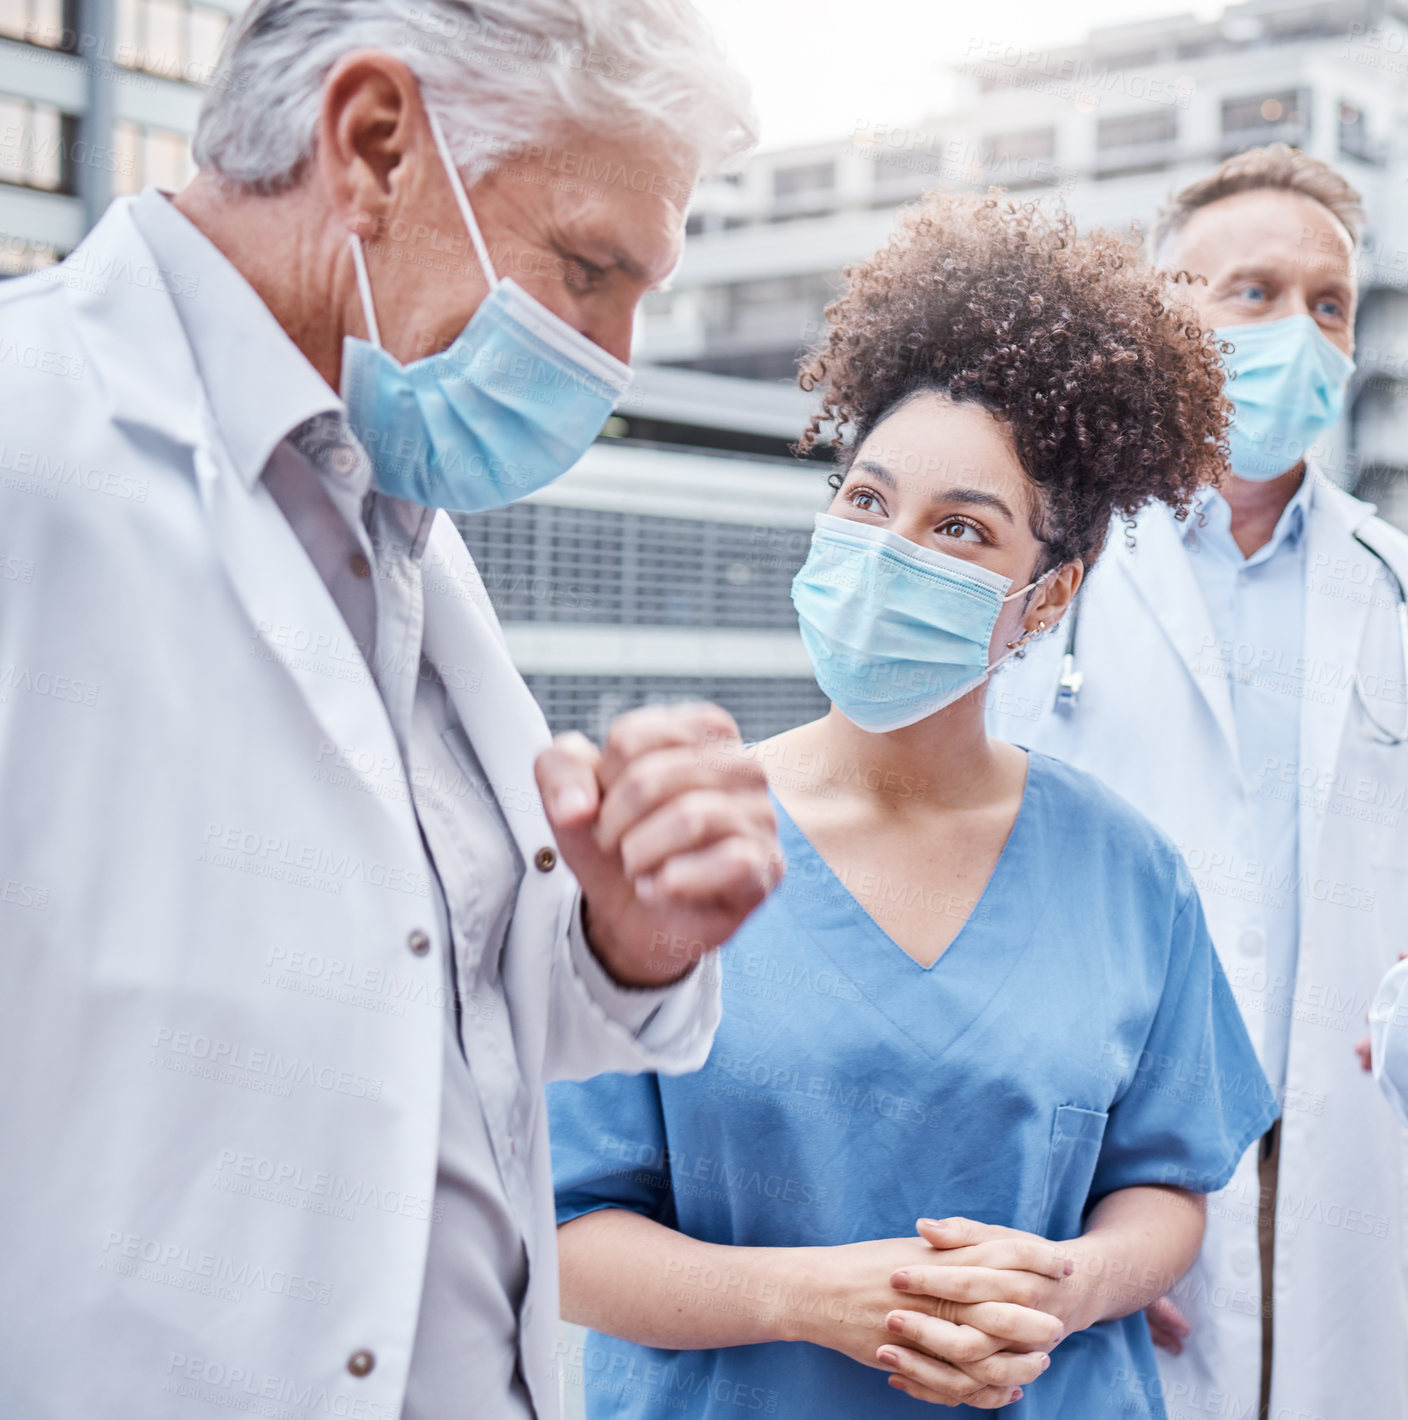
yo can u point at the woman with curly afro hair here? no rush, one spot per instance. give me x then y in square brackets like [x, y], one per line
[984, 993]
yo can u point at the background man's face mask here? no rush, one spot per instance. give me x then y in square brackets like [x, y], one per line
[894, 631]
[1289, 389]
[510, 406]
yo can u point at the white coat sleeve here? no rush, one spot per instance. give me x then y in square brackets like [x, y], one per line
[597, 1025]
[1388, 1038]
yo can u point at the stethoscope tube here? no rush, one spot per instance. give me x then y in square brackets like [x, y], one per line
[1072, 679]
[1381, 732]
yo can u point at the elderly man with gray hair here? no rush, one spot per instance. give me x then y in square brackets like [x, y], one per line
[299, 904]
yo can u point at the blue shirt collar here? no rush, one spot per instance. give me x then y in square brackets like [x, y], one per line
[1211, 518]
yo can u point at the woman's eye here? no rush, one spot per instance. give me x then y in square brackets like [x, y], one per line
[959, 531]
[866, 502]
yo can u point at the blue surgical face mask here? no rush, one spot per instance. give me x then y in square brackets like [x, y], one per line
[895, 631]
[1289, 389]
[511, 405]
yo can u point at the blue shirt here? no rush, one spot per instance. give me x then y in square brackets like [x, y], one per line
[1257, 608]
[1076, 1037]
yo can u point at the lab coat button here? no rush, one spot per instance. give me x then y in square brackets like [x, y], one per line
[360, 1363]
[1251, 942]
[1244, 1260]
[361, 568]
[545, 860]
[418, 942]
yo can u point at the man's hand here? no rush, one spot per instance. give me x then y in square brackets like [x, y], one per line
[1168, 1327]
[1363, 1047]
[670, 832]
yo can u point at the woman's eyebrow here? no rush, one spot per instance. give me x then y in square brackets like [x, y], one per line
[879, 472]
[944, 497]
[972, 496]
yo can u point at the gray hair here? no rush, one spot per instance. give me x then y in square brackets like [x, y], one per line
[499, 74]
[1277, 167]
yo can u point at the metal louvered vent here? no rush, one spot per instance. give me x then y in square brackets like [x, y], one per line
[546, 563]
[590, 703]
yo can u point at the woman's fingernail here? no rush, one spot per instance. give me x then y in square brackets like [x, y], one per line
[1016, 1395]
[895, 1321]
[1045, 1362]
[645, 889]
[1070, 1266]
[930, 1223]
[888, 1357]
[900, 1281]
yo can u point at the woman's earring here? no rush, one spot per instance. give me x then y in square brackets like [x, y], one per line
[1040, 627]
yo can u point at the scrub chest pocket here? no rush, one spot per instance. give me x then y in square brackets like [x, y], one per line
[1076, 1136]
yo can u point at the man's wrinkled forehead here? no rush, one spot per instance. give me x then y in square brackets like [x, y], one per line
[1267, 227]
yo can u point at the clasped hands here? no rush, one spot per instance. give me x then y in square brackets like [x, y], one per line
[965, 1314]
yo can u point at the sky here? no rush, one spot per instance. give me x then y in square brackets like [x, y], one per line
[820, 68]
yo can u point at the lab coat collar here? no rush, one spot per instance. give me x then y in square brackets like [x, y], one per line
[508, 729]
[1336, 567]
[259, 384]
[142, 361]
[1157, 563]
[137, 349]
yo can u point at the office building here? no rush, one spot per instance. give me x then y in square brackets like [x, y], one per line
[1114, 125]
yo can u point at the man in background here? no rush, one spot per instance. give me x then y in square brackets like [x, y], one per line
[1239, 678]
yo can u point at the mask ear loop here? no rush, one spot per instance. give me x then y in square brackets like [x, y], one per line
[1014, 646]
[359, 260]
[462, 198]
[364, 288]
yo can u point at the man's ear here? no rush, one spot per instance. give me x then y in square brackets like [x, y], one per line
[372, 119]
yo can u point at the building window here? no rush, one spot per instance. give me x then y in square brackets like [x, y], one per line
[1017, 159]
[1030, 143]
[544, 563]
[1132, 130]
[19, 256]
[802, 180]
[762, 708]
[1355, 141]
[1128, 61]
[916, 168]
[177, 39]
[1264, 118]
[33, 147]
[33, 21]
[151, 157]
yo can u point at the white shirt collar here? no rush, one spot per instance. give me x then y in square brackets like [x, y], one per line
[259, 384]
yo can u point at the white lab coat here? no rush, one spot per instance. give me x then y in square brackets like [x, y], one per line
[1154, 720]
[216, 1168]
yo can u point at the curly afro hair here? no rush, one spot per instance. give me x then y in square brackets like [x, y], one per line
[1110, 388]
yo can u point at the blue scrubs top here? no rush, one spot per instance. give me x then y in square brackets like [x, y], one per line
[1077, 1036]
